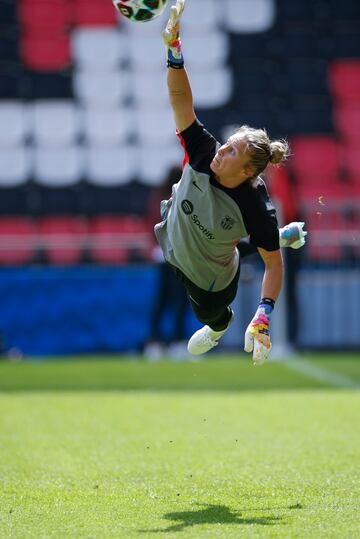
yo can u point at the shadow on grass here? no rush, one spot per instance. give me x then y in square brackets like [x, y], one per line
[209, 514]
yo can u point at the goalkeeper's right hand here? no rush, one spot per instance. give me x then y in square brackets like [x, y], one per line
[171, 33]
[257, 336]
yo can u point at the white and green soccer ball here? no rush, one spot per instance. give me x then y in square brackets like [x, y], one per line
[140, 10]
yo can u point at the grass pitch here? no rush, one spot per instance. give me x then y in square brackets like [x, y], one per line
[216, 449]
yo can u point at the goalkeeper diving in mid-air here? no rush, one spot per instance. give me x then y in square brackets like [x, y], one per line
[219, 204]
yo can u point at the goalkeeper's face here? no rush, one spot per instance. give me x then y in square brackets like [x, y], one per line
[231, 162]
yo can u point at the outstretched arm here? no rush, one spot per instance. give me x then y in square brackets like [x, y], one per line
[273, 273]
[179, 89]
[180, 96]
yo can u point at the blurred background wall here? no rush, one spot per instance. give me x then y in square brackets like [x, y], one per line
[86, 137]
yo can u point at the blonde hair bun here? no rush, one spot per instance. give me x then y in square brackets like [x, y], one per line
[279, 151]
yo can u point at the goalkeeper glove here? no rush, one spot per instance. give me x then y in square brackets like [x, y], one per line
[293, 235]
[171, 36]
[257, 336]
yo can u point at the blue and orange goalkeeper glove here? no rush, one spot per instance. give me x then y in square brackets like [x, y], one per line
[171, 36]
[257, 336]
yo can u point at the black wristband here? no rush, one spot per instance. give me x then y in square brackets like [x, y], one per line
[268, 301]
[175, 65]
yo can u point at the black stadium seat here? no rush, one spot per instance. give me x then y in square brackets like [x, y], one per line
[50, 85]
[8, 13]
[295, 11]
[310, 114]
[348, 11]
[345, 36]
[9, 49]
[13, 81]
[300, 40]
[307, 76]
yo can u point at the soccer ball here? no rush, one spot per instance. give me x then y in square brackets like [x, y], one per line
[140, 10]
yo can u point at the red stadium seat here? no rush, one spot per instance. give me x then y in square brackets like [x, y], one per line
[354, 192]
[319, 181]
[105, 234]
[143, 234]
[17, 241]
[93, 13]
[331, 191]
[117, 240]
[44, 17]
[350, 160]
[347, 121]
[344, 81]
[62, 239]
[45, 53]
[332, 219]
[314, 158]
[323, 225]
[318, 251]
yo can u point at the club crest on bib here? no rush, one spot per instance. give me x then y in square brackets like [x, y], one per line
[227, 222]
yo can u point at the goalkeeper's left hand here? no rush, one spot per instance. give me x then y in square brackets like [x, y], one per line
[171, 33]
[257, 336]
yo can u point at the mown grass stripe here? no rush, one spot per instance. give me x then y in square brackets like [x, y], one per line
[320, 374]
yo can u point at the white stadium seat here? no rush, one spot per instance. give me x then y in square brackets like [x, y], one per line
[55, 122]
[14, 123]
[106, 90]
[150, 88]
[248, 16]
[110, 165]
[147, 53]
[211, 88]
[15, 165]
[203, 15]
[155, 161]
[155, 125]
[108, 126]
[98, 49]
[205, 51]
[60, 166]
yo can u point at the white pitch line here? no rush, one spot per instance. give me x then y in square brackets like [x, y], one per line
[318, 373]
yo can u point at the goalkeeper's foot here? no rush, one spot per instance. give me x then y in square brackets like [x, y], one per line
[293, 235]
[206, 338]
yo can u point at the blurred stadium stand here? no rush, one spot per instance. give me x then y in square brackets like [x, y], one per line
[86, 132]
